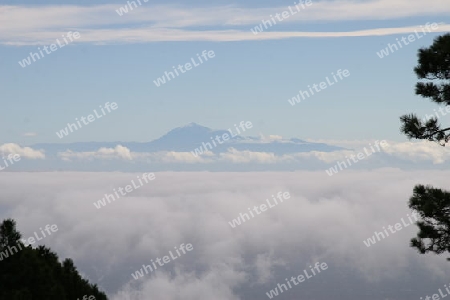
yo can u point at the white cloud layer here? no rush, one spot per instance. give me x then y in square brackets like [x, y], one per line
[326, 219]
[422, 151]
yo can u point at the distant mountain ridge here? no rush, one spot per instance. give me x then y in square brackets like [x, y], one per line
[191, 136]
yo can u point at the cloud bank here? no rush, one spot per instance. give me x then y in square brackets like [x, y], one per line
[402, 155]
[326, 219]
[422, 151]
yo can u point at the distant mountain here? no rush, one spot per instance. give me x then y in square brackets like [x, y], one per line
[184, 139]
[192, 136]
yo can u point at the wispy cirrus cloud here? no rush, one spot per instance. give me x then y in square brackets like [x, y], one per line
[31, 25]
[30, 134]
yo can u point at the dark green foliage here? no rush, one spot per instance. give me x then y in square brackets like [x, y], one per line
[37, 274]
[434, 71]
[8, 233]
[432, 204]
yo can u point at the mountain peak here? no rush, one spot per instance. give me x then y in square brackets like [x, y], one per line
[191, 127]
[192, 124]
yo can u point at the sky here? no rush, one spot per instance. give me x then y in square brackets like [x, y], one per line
[251, 77]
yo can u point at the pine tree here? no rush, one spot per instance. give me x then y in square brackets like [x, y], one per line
[432, 204]
[434, 70]
[30, 274]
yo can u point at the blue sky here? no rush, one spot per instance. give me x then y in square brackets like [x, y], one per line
[246, 80]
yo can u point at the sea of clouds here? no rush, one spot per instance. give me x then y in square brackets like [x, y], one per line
[325, 220]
